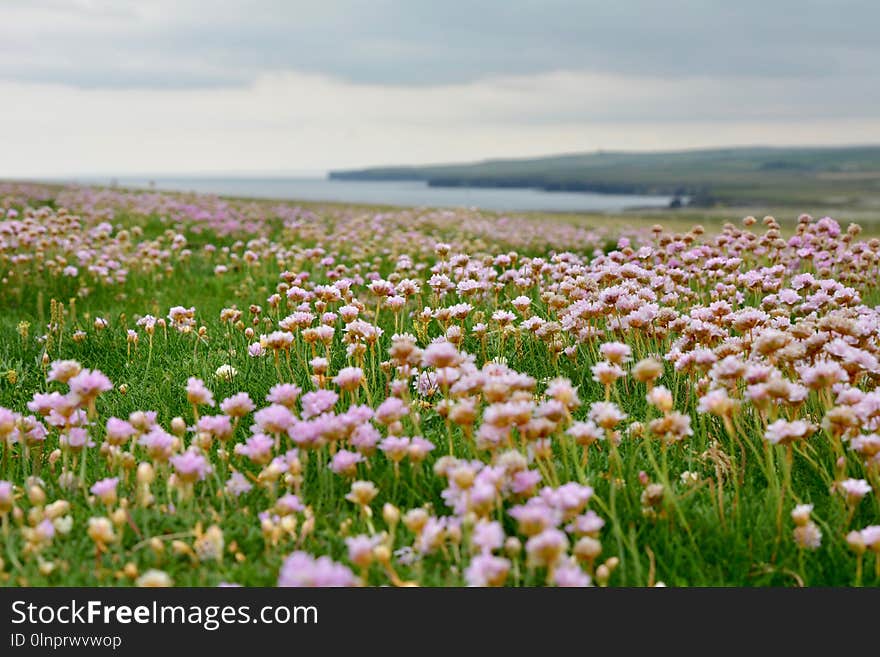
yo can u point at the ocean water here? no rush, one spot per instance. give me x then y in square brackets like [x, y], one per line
[398, 193]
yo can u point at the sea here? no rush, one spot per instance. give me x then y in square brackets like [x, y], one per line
[394, 193]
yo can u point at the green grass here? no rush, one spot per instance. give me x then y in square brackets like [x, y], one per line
[699, 538]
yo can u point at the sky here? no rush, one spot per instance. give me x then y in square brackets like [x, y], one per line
[112, 87]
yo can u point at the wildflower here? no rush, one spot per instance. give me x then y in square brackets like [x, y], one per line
[660, 397]
[237, 405]
[7, 500]
[362, 493]
[274, 419]
[318, 401]
[569, 574]
[105, 490]
[349, 378]
[854, 489]
[546, 548]
[616, 353]
[285, 394]
[487, 570]
[118, 431]
[154, 578]
[360, 549]
[87, 385]
[345, 462]
[782, 432]
[395, 447]
[191, 466]
[63, 370]
[647, 370]
[258, 448]
[225, 373]
[100, 530]
[197, 394]
[238, 485]
[607, 373]
[487, 536]
[302, 569]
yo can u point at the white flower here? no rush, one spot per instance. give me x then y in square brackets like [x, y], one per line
[225, 372]
[63, 525]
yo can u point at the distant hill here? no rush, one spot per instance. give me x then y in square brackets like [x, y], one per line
[724, 176]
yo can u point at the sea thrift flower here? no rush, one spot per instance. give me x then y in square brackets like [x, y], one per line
[118, 432]
[191, 466]
[317, 402]
[302, 569]
[105, 490]
[197, 394]
[349, 378]
[487, 570]
[546, 548]
[345, 462]
[854, 489]
[238, 405]
[6, 497]
[783, 432]
[237, 484]
[285, 394]
[63, 370]
[87, 385]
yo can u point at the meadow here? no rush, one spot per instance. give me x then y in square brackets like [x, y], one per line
[219, 392]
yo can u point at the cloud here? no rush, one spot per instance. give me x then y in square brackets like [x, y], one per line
[187, 43]
[298, 121]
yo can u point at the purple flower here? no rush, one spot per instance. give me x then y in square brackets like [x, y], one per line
[345, 462]
[318, 401]
[237, 484]
[118, 431]
[6, 496]
[191, 466]
[487, 570]
[488, 536]
[158, 443]
[302, 569]
[275, 419]
[88, 384]
[237, 405]
[105, 489]
[569, 574]
[258, 448]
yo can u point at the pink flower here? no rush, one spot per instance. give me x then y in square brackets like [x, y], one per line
[285, 394]
[258, 448]
[158, 443]
[318, 401]
[88, 384]
[487, 535]
[105, 490]
[63, 370]
[118, 431]
[191, 466]
[237, 484]
[274, 419]
[349, 378]
[569, 574]
[345, 462]
[237, 405]
[197, 394]
[302, 569]
[486, 569]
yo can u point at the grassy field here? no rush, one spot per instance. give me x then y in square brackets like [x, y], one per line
[659, 410]
[800, 178]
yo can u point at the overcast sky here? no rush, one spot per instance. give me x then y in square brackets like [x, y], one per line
[273, 86]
